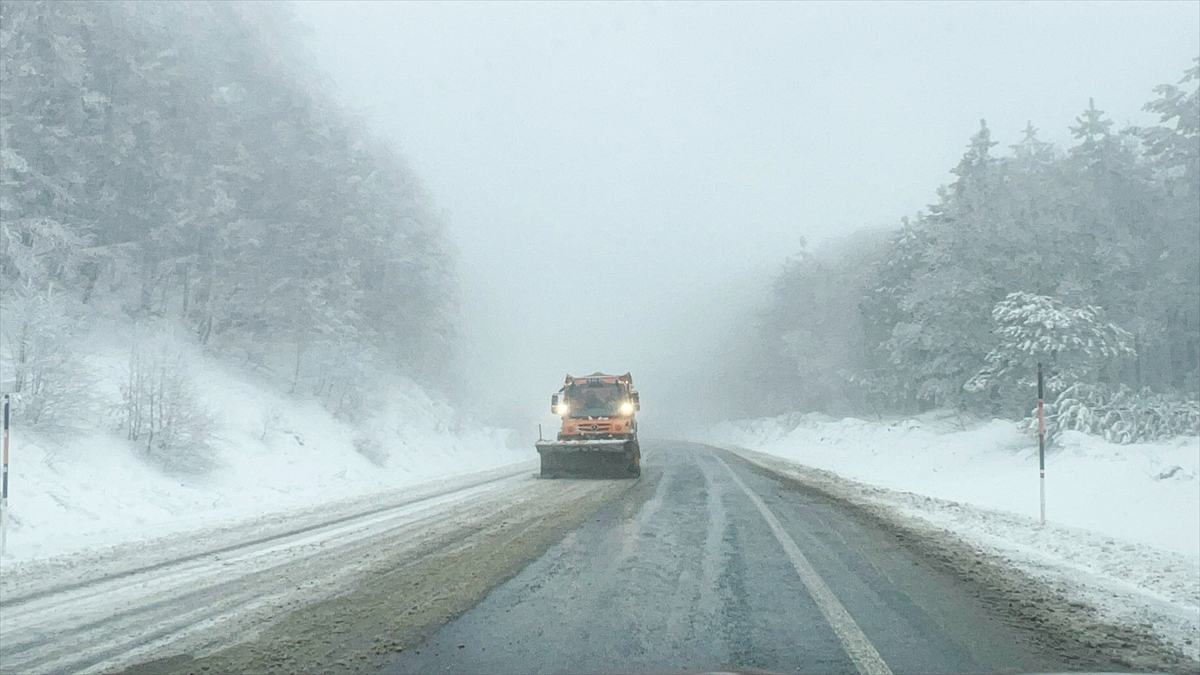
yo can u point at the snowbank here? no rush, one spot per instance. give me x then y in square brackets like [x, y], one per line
[80, 489]
[1147, 493]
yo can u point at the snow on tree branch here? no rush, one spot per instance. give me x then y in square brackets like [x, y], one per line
[1074, 343]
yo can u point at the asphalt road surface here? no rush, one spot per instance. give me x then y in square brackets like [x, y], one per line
[726, 567]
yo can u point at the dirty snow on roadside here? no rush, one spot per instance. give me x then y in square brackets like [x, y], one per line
[1123, 521]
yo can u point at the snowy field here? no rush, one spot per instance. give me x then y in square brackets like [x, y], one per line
[1123, 521]
[77, 489]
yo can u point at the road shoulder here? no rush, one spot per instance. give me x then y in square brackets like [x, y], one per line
[1060, 625]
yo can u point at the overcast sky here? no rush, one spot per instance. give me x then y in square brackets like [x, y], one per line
[617, 175]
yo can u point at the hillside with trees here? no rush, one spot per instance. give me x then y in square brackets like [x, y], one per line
[181, 168]
[1086, 259]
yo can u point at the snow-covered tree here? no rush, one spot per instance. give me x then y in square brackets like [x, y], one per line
[1091, 127]
[38, 361]
[977, 160]
[159, 409]
[1073, 344]
[1113, 222]
[184, 161]
[1031, 152]
[1174, 145]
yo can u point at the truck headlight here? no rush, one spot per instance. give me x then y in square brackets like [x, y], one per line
[626, 408]
[563, 409]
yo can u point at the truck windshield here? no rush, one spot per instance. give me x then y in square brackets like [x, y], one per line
[594, 400]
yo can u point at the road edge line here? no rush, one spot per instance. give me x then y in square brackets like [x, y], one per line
[856, 644]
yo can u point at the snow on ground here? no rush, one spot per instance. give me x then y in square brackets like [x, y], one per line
[80, 489]
[1123, 521]
[1091, 484]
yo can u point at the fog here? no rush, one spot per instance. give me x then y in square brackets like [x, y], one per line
[621, 180]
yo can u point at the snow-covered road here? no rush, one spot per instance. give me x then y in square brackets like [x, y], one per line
[114, 608]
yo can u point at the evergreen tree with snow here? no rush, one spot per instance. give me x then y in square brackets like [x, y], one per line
[1031, 152]
[1091, 127]
[976, 161]
[1113, 222]
[1074, 344]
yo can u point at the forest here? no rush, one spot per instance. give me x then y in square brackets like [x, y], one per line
[1085, 259]
[181, 167]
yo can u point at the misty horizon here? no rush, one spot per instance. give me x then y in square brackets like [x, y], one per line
[689, 148]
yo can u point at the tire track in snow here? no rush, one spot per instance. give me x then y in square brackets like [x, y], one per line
[201, 598]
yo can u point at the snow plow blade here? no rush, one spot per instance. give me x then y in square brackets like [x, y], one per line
[615, 458]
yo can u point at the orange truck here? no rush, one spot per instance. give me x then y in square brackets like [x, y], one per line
[598, 438]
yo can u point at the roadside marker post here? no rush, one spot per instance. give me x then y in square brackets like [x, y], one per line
[4, 483]
[1041, 447]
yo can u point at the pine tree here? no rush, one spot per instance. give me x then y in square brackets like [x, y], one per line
[1091, 127]
[976, 161]
[1175, 150]
[1032, 153]
[1074, 344]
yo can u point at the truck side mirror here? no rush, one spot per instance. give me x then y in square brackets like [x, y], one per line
[633, 396]
[554, 404]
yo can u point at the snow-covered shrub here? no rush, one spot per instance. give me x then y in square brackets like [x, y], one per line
[1121, 415]
[51, 383]
[159, 408]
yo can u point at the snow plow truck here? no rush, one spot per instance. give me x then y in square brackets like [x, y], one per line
[598, 437]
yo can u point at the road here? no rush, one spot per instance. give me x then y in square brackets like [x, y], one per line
[726, 567]
[708, 562]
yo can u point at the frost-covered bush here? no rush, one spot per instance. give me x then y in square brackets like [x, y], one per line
[40, 365]
[160, 410]
[1121, 415]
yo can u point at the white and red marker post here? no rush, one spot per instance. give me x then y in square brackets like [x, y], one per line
[1041, 447]
[4, 484]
